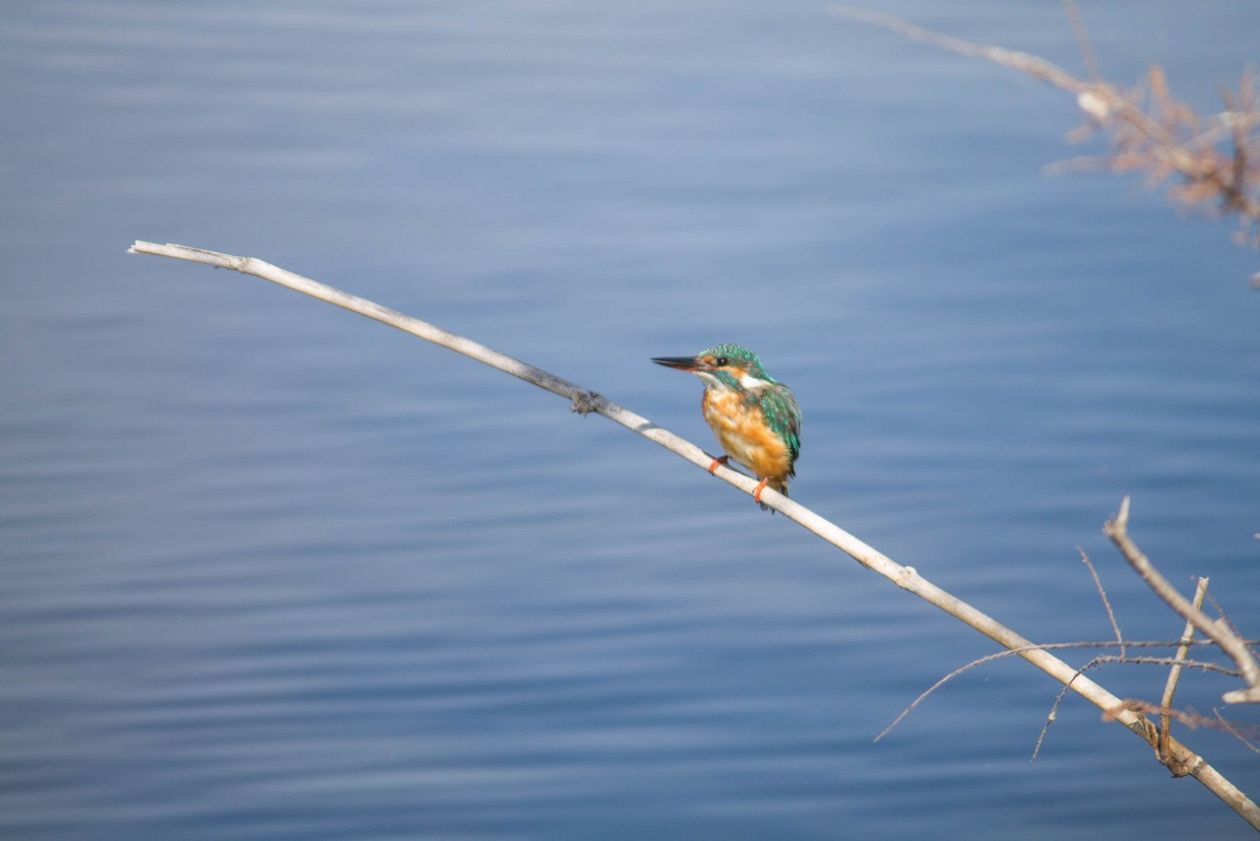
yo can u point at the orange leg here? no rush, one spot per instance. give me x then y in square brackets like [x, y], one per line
[722, 460]
[761, 486]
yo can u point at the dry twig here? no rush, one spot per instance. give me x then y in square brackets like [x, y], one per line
[1174, 674]
[1188, 717]
[1177, 662]
[1082, 40]
[1203, 665]
[1219, 632]
[1234, 731]
[1150, 130]
[1102, 594]
[1156, 736]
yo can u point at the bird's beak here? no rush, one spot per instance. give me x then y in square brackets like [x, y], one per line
[682, 363]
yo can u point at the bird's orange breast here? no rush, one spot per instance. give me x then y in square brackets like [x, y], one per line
[742, 431]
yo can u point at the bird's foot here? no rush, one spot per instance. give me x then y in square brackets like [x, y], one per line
[761, 486]
[722, 460]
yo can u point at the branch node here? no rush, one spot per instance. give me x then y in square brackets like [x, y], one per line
[906, 577]
[585, 402]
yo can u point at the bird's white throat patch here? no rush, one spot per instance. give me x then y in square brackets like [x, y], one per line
[746, 380]
[709, 380]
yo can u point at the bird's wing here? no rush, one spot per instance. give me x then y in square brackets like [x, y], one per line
[783, 415]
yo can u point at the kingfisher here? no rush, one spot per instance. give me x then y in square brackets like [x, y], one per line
[754, 416]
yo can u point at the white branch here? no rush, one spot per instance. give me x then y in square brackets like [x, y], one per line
[585, 401]
[1174, 674]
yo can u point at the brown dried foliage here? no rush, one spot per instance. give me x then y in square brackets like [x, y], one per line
[1216, 158]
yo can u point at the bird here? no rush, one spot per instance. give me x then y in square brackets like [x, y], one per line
[754, 416]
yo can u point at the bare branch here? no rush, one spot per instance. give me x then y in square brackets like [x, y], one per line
[903, 576]
[1174, 674]
[1219, 632]
[1027, 63]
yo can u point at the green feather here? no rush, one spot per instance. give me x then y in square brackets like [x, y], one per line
[741, 356]
[782, 415]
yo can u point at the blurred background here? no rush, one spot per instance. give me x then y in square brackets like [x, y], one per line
[273, 571]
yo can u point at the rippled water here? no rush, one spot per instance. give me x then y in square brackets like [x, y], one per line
[273, 571]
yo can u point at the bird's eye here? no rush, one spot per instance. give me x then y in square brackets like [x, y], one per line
[721, 361]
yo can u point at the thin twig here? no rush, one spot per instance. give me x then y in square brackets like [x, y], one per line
[1082, 39]
[1223, 620]
[903, 576]
[1201, 665]
[1174, 674]
[997, 655]
[1180, 764]
[1102, 594]
[1053, 715]
[1058, 646]
[1189, 717]
[1235, 648]
[1233, 731]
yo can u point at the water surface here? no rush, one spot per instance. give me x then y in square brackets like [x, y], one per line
[275, 572]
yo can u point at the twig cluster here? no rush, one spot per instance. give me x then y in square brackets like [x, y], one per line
[1219, 632]
[1216, 157]
[1217, 161]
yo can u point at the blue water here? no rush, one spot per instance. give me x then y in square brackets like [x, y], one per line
[272, 571]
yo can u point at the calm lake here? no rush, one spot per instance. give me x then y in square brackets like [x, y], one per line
[273, 571]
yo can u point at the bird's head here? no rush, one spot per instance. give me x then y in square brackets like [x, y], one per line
[731, 367]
